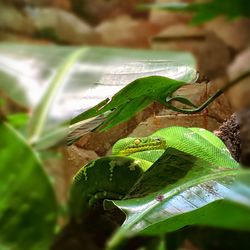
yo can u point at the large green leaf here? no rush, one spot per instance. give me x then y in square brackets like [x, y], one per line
[68, 80]
[26, 70]
[131, 99]
[134, 97]
[185, 191]
[28, 208]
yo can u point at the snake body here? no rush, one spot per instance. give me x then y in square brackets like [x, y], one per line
[113, 176]
[106, 177]
[198, 142]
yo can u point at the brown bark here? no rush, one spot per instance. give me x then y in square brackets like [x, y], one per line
[229, 133]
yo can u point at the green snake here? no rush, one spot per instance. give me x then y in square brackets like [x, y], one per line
[113, 176]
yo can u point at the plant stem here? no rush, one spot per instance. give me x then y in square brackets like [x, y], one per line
[211, 98]
[116, 240]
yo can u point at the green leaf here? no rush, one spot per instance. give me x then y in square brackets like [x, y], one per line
[2, 102]
[185, 191]
[39, 116]
[133, 98]
[144, 79]
[124, 112]
[172, 166]
[208, 10]
[18, 120]
[28, 207]
[27, 73]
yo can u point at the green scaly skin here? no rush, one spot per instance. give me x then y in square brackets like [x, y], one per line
[113, 176]
[107, 177]
[128, 146]
[195, 141]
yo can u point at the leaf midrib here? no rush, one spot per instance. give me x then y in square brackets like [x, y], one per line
[38, 118]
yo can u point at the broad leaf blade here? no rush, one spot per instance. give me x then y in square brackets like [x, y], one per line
[124, 113]
[128, 72]
[209, 200]
[220, 188]
[26, 72]
[131, 99]
[184, 196]
[171, 167]
[138, 83]
[28, 206]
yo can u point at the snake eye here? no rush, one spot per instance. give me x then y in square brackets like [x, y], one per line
[157, 139]
[137, 141]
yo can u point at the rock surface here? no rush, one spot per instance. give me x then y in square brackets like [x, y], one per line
[63, 25]
[165, 19]
[77, 158]
[220, 109]
[212, 54]
[239, 95]
[234, 33]
[11, 19]
[102, 10]
[127, 32]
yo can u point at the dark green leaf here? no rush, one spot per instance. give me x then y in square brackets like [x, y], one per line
[28, 208]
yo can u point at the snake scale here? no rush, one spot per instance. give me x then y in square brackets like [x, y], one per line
[113, 176]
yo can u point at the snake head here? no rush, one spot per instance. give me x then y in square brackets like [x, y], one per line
[132, 145]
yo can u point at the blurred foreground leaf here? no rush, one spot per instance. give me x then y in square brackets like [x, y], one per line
[208, 10]
[28, 208]
[18, 120]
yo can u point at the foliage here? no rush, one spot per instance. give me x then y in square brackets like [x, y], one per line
[55, 82]
[42, 80]
[133, 98]
[208, 10]
[28, 207]
[179, 189]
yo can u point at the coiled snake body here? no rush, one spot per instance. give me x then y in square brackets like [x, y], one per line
[113, 176]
